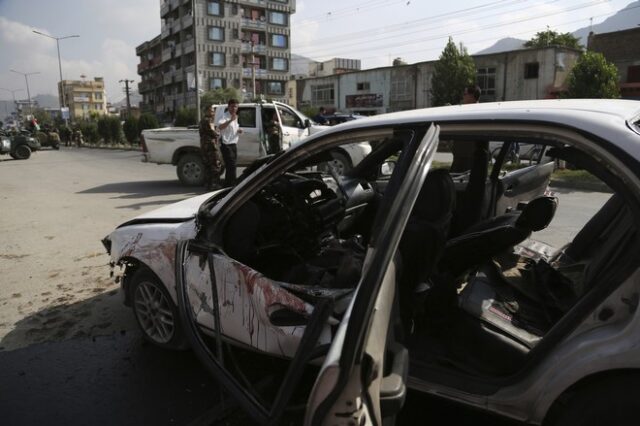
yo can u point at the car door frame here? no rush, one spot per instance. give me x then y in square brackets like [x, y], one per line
[241, 193]
[339, 384]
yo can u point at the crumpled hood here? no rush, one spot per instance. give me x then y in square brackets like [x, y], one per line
[185, 209]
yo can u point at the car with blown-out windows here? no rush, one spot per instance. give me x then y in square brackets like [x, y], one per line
[319, 296]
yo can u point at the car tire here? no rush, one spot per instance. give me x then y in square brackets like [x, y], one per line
[611, 400]
[156, 314]
[341, 163]
[191, 170]
[23, 152]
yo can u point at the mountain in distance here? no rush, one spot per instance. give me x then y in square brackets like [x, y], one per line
[503, 45]
[47, 101]
[300, 64]
[626, 18]
[134, 97]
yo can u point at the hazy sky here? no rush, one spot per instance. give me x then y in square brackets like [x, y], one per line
[375, 31]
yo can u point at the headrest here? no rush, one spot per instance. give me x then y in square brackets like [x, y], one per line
[537, 214]
[436, 198]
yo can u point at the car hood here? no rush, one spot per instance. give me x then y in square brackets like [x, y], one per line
[180, 211]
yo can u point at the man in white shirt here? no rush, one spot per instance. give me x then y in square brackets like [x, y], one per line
[229, 133]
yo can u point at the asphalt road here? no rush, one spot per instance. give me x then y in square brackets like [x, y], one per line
[70, 352]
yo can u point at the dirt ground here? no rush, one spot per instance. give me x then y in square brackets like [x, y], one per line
[55, 208]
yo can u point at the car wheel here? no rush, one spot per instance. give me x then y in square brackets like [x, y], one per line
[340, 163]
[23, 152]
[191, 170]
[155, 312]
[611, 401]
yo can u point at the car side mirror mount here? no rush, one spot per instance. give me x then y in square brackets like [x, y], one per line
[386, 168]
[307, 123]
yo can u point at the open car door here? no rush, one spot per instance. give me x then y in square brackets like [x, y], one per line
[363, 376]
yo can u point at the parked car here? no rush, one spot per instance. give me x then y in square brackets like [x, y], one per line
[338, 118]
[181, 145]
[18, 146]
[392, 275]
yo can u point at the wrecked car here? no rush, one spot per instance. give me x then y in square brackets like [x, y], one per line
[399, 274]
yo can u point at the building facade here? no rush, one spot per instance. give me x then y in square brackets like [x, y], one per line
[333, 66]
[243, 44]
[84, 97]
[622, 48]
[506, 76]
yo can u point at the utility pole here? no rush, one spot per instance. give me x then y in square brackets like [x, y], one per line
[61, 98]
[26, 80]
[195, 62]
[126, 90]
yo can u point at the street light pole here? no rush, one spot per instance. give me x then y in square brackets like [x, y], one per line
[57, 39]
[26, 80]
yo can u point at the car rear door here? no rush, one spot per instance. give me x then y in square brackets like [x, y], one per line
[364, 374]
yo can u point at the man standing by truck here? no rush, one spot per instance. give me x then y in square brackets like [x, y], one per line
[209, 147]
[229, 134]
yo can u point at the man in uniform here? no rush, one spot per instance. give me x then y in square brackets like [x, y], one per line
[211, 157]
[272, 128]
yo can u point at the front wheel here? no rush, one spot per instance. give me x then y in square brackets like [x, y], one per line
[22, 152]
[155, 312]
[191, 170]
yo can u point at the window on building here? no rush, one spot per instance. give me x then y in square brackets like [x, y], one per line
[363, 86]
[486, 80]
[279, 64]
[322, 94]
[217, 83]
[235, 34]
[400, 90]
[217, 59]
[275, 87]
[633, 74]
[278, 40]
[281, 1]
[216, 33]
[97, 96]
[531, 70]
[278, 18]
[214, 8]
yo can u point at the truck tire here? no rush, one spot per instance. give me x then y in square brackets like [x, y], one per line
[341, 163]
[191, 169]
[22, 152]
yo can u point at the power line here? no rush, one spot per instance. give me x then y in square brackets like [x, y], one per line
[449, 33]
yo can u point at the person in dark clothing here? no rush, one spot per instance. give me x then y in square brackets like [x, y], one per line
[210, 149]
[274, 132]
[320, 116]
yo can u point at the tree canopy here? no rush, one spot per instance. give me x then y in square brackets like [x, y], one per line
[552, 38]
[453, 71]
[219, 96]
[593, 77]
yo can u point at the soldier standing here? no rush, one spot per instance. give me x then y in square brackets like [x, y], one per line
[209, 146]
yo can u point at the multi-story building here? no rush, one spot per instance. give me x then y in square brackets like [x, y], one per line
[623, 49]
[535, 73]
[150, 70]
[84, 97]
[243, 44]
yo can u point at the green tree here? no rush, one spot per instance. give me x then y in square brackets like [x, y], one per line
[147, 121]
[552, 38]
[453, 71]
[593, 77]
[130, 129]
[186, 117]
[89, 131]
[42, 116]
[115, 129]
[219, 96]
[103, 129]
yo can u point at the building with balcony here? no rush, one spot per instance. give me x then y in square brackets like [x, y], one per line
[243, 44]
[84, 97]
[151, 86]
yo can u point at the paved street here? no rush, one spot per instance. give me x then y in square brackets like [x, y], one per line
[69, 351]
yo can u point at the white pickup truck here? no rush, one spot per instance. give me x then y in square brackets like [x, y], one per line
[180, 146]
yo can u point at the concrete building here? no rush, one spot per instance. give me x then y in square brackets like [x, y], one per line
[623, 49]
[84, 97]
[333, 66]
[150, 70]
[243, 44]
[505, 76]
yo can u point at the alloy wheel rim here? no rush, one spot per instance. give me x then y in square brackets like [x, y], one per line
[154, 312]
[192, 170]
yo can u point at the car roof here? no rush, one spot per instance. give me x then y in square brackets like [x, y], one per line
[606, 118]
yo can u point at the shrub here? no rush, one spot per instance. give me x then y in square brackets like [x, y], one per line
[130, 129]
[186, 117]
[147, 121]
